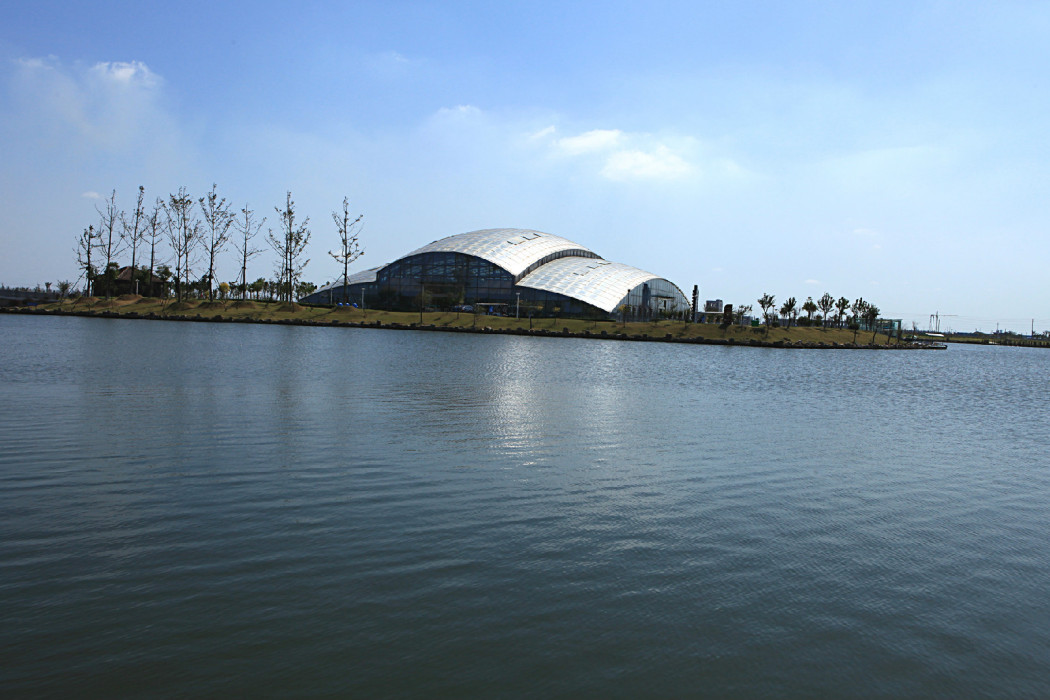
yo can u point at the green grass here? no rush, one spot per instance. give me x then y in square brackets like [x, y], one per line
[278, 311]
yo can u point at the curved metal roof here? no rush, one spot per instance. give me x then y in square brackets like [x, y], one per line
[513, 249]
[545, 262]
[600, 283]
[356, 278]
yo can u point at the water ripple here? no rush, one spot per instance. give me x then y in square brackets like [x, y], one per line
[188, 509]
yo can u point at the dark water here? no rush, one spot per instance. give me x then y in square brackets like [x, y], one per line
[194, 509]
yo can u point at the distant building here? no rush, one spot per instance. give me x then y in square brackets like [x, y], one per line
[138, 281]
[714, 306]
[500, 269]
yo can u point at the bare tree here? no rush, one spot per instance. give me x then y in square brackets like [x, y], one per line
[787, 310]
[248, 228]
[871, 316]
[132, 233]
[217, 223]
[109, 216]
[766, 302]
[289, 243]
[183, 230]
[840, 307]
[826, 304]
[858, 307]
[348, 231]
[87, 242]
[810, 308]
[152, 231]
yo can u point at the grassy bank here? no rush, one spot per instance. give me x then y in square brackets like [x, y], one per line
[260, 311]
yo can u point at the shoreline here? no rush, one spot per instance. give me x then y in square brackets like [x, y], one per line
[612, 334]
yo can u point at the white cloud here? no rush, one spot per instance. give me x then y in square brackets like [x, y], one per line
[591, 141]
[91, 195]
[659, 163]
[36, 63]
[126, 73]
[110, 105]
[729, 168]
[390, 65]
[458, 112]
[812, 282]
[395, 57]
[620, 155]
[543, 133]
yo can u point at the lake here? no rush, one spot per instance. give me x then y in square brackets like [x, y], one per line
[194, 509]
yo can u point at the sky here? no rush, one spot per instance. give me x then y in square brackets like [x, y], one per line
[895, 151]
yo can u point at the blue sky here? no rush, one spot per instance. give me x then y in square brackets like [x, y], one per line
[892, 150]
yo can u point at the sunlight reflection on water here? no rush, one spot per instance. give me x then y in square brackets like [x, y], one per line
[191, 509]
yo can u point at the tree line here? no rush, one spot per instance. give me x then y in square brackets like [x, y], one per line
[186, 236]
[847, 314]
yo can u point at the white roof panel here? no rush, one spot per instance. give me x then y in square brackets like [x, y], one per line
[513, 249]
[600, 283]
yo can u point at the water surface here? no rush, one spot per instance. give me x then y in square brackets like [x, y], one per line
[202, 509]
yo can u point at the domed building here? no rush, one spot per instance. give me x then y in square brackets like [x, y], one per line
[499, 269]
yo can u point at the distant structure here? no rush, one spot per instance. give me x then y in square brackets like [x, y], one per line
[24, 296]
[511, 271]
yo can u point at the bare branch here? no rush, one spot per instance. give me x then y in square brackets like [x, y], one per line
[183, 229]
[289, 243]
[348, 231]
[248, 229]
[216, 225]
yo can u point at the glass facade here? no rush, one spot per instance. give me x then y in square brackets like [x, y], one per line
[444, 279]
[657, 298]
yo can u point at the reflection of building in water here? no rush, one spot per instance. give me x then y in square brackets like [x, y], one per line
[509, 271]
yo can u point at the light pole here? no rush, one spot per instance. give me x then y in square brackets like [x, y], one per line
[517, 305]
